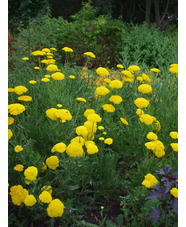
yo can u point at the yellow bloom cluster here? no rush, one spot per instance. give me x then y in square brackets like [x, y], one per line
[90, 54]
[67, 49]
[59, 114]
[102, 71]
[149, 181]
[116, 99]
[16, 109]
[109, 108]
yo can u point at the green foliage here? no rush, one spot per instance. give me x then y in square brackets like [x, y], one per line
[19, 12]
[149, 46]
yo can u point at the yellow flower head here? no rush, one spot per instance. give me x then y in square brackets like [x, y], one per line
[174, 135]
[174, 146]
[74, 149]
[31, 173]
[116, 99]
[152, 136]
[80, 99]
[141, 102]
[58, 76]
[116, 84]
[52, 68]
[102, 71]
[109, 108]
[174, 192]
[52, 162]
[88, 111]
[19, 90]
[124, 121]
[145, 88]
[155, 70]
[30, 201]
[18, 148]
[55, 208]
[94, 117]
[90, 54]
[108, 141]
[32, 82]
[67, 49]
[19, 167]
[45, 79]
[102, 90]
[133, 68]
[18, 194]
[59, 147]
[92, 148]
[120, 66]
[25, 98]
[45, 197]
[149, 181]
[146, 119]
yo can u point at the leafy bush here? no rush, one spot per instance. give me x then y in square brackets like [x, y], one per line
[149, 46]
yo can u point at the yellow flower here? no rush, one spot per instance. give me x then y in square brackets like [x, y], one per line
[174, 146]
[19, 167]
[174, 192]
[52, 162]
[67, 49]
[92, 148]
[55, 208]
[146, 119]
[36, 67]
[116, 99]
[11, 89]
[25, 59]
[18, 194]
[38, 53]
[52, 48]
[109, 108]
[25, 98]
[145, 88]
[100, 127]
[88, 111]
[108, 141]
[94, 117]
[139, 78]
[19, 90]
[81, 99]
[124, 121]
[133, 68]
[31, 173]
[155, 70]
[139, 112]
[101, 138]
[59, 147]
[30, 201]
[63, 114]
[32, 82]
[18, 148]
[74, 149]
[152, 136]
[90, 54]
[141, 102]
[127, 74]
[149, 181]
[58, 76]
[59, 105]
[52, 68]
[174, 135]
[10, 120]
[45, 80]
[46, 50]
[82, 131]
[16, 109]
[72, 77]
[78, 139]
[102, 90]
[120, 66]
[173, 70]
[116, 84]
[51, 114]
[45, 197]
[102, 71]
